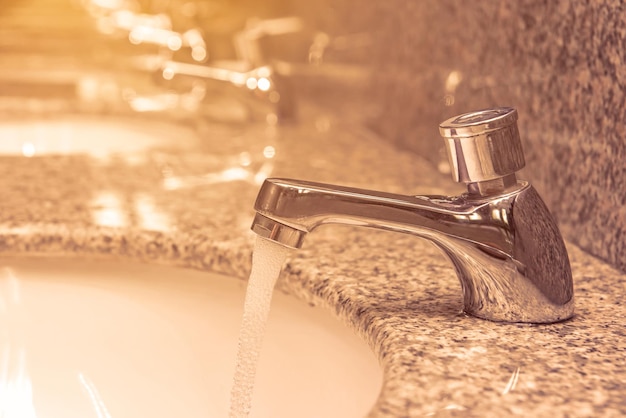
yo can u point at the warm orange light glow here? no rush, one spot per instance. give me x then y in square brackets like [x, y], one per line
[109, 4]
[245, 159]
[264, 72]
[174, 42]
[198, 53]
[234, 173]
[149, 216]
[251, 83]
[264, 172]
[263, 84]
[149, 34]
[108, 210]
[28, 149]
[156, 103]
[168, 73]
[198, 91]
[274, 97]
[453, 80]
[271, 119]
[134, 38]
[269, 151]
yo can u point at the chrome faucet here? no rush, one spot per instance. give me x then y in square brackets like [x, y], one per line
[504, 244]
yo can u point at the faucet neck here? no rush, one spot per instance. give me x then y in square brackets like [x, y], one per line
[491, 187]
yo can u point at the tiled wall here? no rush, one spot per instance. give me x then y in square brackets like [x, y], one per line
[562, 64]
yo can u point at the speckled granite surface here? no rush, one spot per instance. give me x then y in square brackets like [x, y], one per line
[174, 202]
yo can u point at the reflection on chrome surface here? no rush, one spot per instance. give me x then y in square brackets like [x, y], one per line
[505, 246]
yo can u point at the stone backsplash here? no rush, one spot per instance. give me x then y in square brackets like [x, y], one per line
[560, 63]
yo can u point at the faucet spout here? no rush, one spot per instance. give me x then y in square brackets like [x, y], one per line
[505, 246]
[303, 206]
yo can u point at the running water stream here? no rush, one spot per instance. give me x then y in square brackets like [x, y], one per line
[267, 261]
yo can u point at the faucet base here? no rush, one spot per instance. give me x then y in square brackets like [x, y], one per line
[500, 289]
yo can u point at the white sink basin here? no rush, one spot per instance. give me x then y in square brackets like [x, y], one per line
[104, 339]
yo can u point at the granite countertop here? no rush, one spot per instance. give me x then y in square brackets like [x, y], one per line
[187, 201]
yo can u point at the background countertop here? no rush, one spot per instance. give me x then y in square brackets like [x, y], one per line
[187, 201]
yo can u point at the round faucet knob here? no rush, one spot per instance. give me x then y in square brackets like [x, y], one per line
[483, 145]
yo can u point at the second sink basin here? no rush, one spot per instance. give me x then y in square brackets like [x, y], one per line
[93, 338]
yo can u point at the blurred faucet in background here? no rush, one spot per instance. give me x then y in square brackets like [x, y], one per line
[247, 40]
[251, 70]
[188, 56]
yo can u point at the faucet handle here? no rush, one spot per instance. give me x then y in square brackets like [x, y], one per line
[484, 148]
